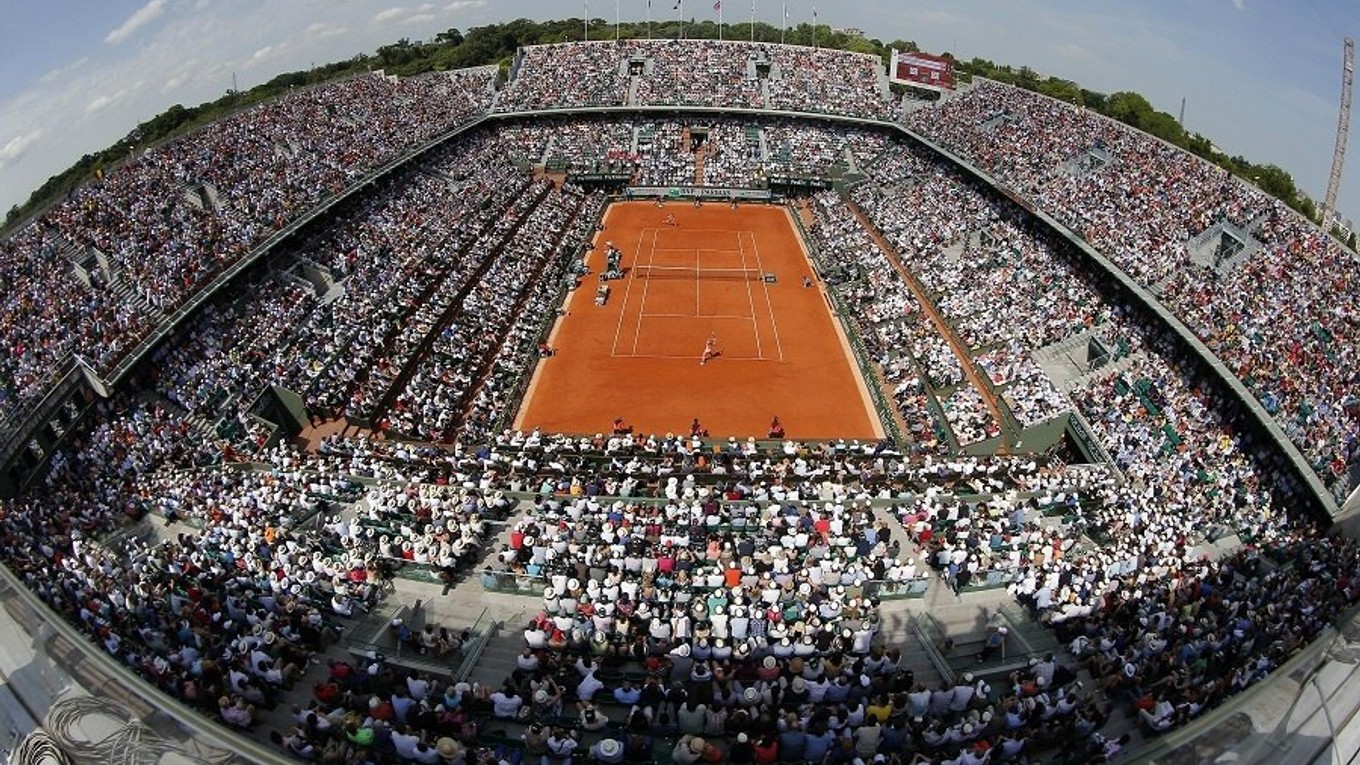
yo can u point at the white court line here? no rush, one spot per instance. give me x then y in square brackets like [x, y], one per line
[751, 301]
[705, 230]
[642, 307]
[692, 249]
[651, 263]
[623, 309]
[768, 303]
[692, 316]
[684, 358]
[696, 281]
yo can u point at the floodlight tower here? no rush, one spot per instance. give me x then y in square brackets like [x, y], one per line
[1343, 127]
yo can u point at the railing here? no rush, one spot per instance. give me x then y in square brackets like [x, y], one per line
[38, 414]
[1081, 430]
[1273, 718]
[928, 634]
[482, 631]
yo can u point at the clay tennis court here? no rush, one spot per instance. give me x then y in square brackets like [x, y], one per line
[637, 356]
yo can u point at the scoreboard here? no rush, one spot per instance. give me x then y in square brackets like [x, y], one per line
[922, 70]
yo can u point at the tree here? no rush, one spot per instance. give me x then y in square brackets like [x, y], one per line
[1127, 107]
[1164, 126]
[1063, 90]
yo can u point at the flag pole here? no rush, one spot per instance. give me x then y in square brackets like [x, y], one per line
[649, 19]
[720, 20]
[616, 20]
[585, 23]
[753, 20]
[785, 27]
[814, 27]
[681, 6]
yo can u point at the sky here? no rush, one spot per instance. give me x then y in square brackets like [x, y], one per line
[1261, 78]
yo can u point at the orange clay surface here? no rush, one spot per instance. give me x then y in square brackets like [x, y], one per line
[637, 356]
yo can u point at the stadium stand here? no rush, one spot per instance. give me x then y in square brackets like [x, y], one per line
[1267, 308]
[159, 227]
[692, 600]
[704, 73]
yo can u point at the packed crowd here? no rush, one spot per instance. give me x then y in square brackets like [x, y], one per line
[697, 73]
[566, 75]
[170, 220]
[915, 357]
[800, 559]
[700, 540]
[897, 336]
[1179, 644]
[705, 73]
[465, 380]
[1015, 295]
[440, 527]
[630, 527]
[708, 150]
[814, 150]
[830, 82]
[192, 616]
[399, 254]
[1191, 471]
[1274, 319]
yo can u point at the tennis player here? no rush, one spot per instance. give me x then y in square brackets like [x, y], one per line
[710, 349]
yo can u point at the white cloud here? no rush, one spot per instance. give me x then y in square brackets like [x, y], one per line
[98, 103]
[143, 16]
[267, 53]
[322, 29]
[173, 83]
[1240, 5]
[14, 147]
[60, 72]
[104, 100]
[462, 5]
[422, 14]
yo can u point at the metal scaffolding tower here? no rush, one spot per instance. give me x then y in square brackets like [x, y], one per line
[1343, 127]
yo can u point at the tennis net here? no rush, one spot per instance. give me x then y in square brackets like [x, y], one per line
[697, 274]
